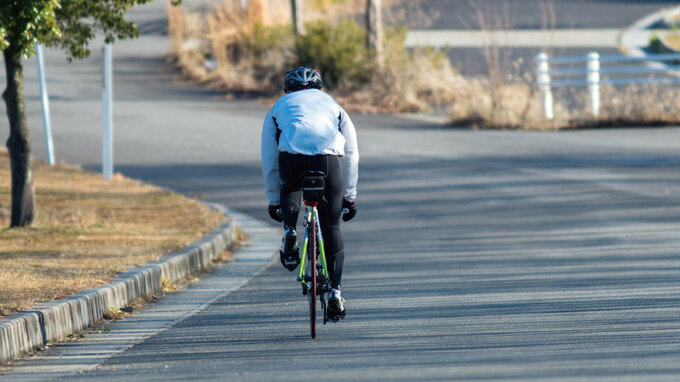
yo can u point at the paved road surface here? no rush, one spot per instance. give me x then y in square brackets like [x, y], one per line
[524, 14]
[525, 18]
[475, 255]
[572, 38]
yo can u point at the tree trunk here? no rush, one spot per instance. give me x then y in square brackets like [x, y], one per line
[374, 32]
[298, 26]
[18, 143]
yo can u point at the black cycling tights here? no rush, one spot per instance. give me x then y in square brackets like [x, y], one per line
[291, 166]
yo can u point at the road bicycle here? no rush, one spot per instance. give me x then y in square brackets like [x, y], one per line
[313, 274]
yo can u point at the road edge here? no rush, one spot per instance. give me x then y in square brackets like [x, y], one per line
[50, 321]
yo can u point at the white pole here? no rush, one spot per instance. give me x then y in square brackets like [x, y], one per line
[544, 85]
[594, 82]
[107, 115]
[45, 104]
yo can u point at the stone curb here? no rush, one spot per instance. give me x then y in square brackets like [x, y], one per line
[23, 332]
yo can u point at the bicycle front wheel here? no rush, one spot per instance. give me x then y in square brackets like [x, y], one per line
[311, 294]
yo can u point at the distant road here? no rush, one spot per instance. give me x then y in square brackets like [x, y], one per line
[580, 26]
[524, 14]
[563, 38]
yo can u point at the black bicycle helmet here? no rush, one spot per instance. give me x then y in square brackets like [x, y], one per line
[302, 78]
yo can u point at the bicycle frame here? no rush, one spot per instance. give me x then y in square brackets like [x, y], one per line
[311, 214]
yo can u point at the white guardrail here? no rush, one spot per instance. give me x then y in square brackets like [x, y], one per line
[593, 71]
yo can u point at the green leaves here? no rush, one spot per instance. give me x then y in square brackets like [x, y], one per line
[80, 19]
[3, 38]
[27, 22]
[68, 24]
[339, 52]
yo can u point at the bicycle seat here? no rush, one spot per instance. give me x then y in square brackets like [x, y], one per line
[312, 184]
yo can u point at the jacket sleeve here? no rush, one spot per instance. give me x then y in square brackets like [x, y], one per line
[270, 161]
[350, 162]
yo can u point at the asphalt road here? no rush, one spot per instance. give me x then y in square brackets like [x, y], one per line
[522, 14]
[475, 255]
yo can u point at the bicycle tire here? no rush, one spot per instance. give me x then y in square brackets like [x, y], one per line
[312, 283]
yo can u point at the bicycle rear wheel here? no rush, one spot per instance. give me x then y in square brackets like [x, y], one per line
[311, 293]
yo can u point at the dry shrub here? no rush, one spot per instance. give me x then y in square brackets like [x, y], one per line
[230, 28]
[408, 82]
[248, 49]
[645, 103]
[508, 106]
[241, 50]
[504, 99]
[519, 106]
[631, 105]
[416, 80]
[232, 48]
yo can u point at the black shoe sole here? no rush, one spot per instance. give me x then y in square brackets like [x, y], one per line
[334, 313]
[290, 267]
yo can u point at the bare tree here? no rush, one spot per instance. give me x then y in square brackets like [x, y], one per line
[298, 25]
[374, 32]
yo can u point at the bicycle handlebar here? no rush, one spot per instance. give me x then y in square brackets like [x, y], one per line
[344, 210]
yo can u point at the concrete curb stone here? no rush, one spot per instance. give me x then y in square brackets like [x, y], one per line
[23, 332]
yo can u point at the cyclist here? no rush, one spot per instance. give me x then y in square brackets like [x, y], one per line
[306, 130]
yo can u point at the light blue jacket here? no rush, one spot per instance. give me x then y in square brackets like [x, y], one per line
[310, 123]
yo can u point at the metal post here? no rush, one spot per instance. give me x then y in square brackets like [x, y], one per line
[298, 25]
[544, 85]
[594, 82]
[107, 115]
[45, 104]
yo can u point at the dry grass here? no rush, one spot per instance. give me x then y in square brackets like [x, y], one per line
[673, 41]
[519, 107]
[87, 230]
[505, 99]
[220, 52]
[506, 106]
[408, 83]
[246, 51]
[635, 105]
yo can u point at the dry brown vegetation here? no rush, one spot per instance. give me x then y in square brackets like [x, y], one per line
[507, 99]
[87, 230]
[673, 41]
[519, 108]
[247, 50]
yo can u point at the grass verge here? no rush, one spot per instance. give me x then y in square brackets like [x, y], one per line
[88, 230]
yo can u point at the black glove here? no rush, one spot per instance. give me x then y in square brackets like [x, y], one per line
[349, 210]
[275, 213]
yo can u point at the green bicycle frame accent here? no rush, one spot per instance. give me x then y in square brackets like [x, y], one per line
[312, 214]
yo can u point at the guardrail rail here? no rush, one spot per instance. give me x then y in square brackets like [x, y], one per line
[548, 68]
